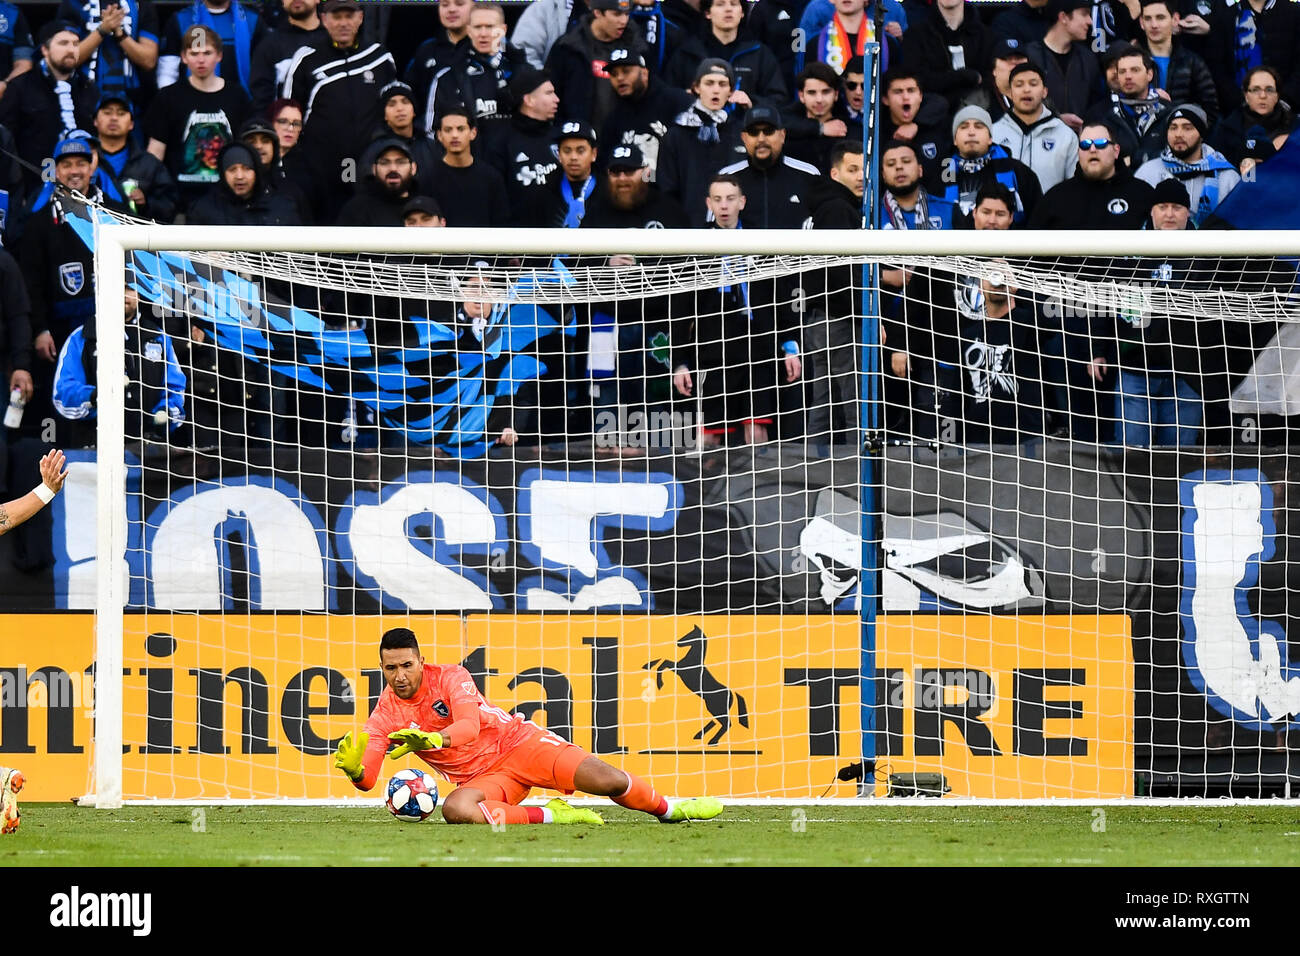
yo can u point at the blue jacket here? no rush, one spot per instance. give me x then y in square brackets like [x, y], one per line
[155, 380]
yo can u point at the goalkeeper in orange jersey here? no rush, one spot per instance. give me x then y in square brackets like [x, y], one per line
[494, 758]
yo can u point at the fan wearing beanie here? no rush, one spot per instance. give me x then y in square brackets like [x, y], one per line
[1208, 175]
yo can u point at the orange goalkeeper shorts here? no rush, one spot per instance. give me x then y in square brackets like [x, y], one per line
[545, 760]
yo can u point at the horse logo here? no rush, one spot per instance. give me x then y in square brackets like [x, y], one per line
[700, 681]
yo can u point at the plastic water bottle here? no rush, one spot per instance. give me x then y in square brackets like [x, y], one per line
[14, 413]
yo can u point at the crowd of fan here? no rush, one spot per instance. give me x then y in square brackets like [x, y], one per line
[1052, 114]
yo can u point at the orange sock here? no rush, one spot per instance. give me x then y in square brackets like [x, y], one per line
[640, 795]
[497, 812]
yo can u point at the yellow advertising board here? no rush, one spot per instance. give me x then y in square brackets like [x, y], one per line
[245, 706]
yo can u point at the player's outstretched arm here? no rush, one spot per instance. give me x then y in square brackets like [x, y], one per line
[53, 473]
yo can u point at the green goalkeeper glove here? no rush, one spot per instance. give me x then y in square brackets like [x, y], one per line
[348, 757]
[413, 740]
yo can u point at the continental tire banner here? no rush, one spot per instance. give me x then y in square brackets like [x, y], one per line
[247, 706]
[1191, 546]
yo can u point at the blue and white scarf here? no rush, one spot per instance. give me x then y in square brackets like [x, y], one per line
[1247, 52]
[576, 206]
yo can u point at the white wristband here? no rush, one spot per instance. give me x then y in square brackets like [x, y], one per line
[44, 493]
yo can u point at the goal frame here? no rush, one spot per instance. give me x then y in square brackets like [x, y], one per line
[113, 243]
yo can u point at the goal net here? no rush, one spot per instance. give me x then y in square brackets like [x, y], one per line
[1019, 535]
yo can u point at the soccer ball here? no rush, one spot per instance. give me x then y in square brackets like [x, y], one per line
[412, 795]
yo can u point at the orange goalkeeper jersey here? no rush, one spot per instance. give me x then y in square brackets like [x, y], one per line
[448, 699]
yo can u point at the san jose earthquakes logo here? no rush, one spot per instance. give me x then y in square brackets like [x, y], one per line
[440, 708]
[1117, 207]
[72, 277]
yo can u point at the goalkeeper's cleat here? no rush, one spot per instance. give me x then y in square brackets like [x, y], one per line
[11, 781]
[561, 812]
[692, 808]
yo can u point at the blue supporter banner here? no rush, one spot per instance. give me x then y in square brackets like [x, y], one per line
[441, 393]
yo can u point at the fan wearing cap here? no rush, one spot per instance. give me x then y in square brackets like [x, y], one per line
[239, 26]
[1158, 400]
[579, 60]
[119, 46]
[400, 121]
[1033, 134]
[190, 122]
[626, 200]
[576, 149]
[1135, 111]
[1067, 61]
[469, 191]
[240, 197]
[1026, 22]
[144, 182]
[58, 266]
[259, 135]
[525, 155]
[386, 190]
[39, 106]
[438, 61]
[1206, 173]
[339, 85]
[779, 191]
[422, 212]
[755, 70]
[701, 139]
[977, 160]
[644, 108]
[1007, 55]
[300, 27]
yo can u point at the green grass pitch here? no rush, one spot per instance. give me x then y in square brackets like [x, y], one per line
[824, 835]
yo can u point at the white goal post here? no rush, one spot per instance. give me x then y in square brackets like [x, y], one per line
[796, 251]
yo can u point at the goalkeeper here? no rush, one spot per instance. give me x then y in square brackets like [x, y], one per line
[494, 758]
